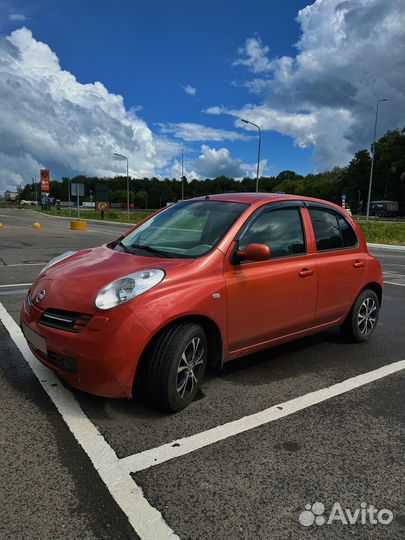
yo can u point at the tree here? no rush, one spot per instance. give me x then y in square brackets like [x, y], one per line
[388, 182]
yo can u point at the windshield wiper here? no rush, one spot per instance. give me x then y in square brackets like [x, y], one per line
[123, 246]
[149, 249]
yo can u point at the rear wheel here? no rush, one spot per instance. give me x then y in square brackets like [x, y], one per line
[176, 367]
[363, 317]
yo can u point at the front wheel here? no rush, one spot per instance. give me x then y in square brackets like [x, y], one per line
[177, 364]
[362, 319]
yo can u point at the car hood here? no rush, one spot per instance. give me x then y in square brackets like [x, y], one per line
[73, 284]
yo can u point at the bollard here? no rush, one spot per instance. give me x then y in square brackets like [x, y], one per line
[37, 225]
[78, 225]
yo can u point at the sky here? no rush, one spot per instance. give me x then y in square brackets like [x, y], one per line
[80, 80]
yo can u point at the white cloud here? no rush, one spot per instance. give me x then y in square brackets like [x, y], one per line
[255, 86]
[19, 17]
[298, 126]
[214, 110]
[254, 55]
[198, 132]
[48, 118]
[190, 90]
[217, 162]
[213, 162]
[349, 55]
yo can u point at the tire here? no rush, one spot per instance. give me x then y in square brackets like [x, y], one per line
[362, 319]
[176, 368]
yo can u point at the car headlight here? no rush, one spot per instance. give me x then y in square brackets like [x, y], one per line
[57, 259]
[128, 287]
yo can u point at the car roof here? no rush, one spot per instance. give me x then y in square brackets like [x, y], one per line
[251, 198]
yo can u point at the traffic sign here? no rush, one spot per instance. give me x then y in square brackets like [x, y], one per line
[77, 190]
[45, 176]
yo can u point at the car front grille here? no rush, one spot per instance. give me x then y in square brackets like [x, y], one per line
[65, 320]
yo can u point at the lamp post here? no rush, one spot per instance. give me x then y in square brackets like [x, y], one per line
[34, 181]
[258, 151]
[372, 159]
[62, 171]
[182, 173]
[121, 156]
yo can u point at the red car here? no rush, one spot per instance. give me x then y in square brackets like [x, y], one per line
[201, 282]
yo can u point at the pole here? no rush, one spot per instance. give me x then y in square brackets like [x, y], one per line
[127, 190]
[78, 212]
[121, 156]
[372, 159]
[258, 150]
[258, 159]
[182, 174]
[68, 183]
[372, 163]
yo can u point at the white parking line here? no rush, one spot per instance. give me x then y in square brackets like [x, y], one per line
[15, 285]
[24, 264]
[155, 456]
[392, 283]
[144, 518]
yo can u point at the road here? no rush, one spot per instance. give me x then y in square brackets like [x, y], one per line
[305, 437]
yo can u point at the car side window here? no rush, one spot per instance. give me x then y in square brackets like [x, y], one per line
[348, 235]
[280, 229]
[332, 231]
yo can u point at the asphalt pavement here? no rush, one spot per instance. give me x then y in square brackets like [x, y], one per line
[249, 482]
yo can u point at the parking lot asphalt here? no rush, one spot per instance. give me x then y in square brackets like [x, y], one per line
[348, 449]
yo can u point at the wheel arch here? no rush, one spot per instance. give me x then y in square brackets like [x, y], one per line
[214, 338]
[376, 287]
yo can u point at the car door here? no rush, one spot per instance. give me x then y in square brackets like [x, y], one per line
[276, 297]
[341, 263]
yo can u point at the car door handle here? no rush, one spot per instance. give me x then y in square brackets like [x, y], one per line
[306, 272]
[358, 264]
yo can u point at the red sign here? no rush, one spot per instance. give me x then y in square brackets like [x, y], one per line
[45, 179]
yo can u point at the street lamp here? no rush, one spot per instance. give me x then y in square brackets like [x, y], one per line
[34, 183]
[258, 152]
[62, 171]
[121, 156]
[182, 173]
[372, 159]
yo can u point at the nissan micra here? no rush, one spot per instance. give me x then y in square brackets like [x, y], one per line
[200, 283]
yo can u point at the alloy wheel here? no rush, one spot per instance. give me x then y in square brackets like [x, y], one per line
[367, 316]
[190, 365]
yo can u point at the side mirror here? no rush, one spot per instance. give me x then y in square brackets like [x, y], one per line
[254, 252]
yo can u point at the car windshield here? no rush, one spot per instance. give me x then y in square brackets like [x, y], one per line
[185, 230]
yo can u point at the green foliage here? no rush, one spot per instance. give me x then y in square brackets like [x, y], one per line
[353, 180]
[383, 233]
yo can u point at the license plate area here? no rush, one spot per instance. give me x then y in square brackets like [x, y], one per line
[34, 339]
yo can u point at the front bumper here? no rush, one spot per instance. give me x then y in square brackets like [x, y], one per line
[101, 359]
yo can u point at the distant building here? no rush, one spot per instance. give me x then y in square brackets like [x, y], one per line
[10, 196]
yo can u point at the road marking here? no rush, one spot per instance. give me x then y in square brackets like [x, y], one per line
[15, 285]
[13, 292]
[180, 447]
[25, 264]
[392, 283]
[393, 274]
[144, 518]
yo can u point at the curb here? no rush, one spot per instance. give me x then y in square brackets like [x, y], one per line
[386, 246]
